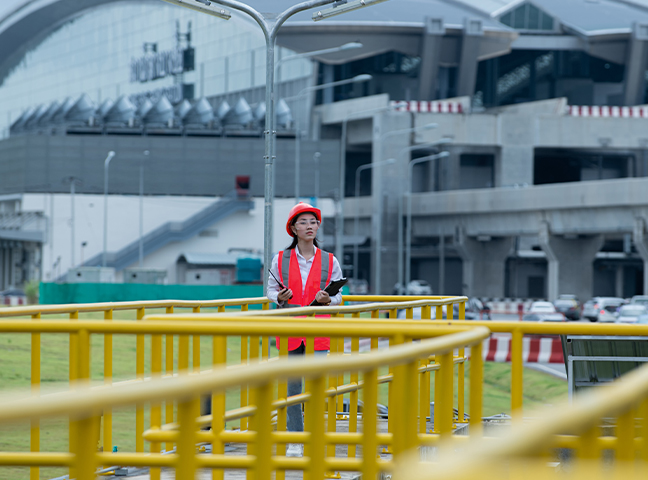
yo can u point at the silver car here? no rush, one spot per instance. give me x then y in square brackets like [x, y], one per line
[631, 313]
[602, 309]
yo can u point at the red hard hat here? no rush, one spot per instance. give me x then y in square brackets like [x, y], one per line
[298, 209]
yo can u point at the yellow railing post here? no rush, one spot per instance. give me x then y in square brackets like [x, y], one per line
[73, 372]
[424, 397]
[332, 414]
[643, 414]
[446, 394]
[34, 472]
[265, 340]
[156, 408]
[625, 433]
[244, 361]
[476, 390]
[263, 426]
[85, 455]
[411, 398]
[168, 417]
[353, 396]
[516, 375]
[397, 389]
[188, 410]
[219, 360]
[139, 374]
[369, 425]
[461, 380]
[282, 413]
[315, 422]
[196, 348]
[108, 374]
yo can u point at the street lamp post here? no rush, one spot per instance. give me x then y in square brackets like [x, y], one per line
[379, 142]
[408, 233]
[110, 156]
[316, 161]
[270, 24]
[141, 209]
[356, 232]
[356, 79]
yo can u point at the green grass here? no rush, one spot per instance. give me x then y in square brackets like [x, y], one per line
[539, 388]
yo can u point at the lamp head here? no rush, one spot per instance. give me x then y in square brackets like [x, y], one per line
[365, 77]
[111, 154]
[351, 45]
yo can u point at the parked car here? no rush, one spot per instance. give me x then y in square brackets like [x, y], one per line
[543, 312]
[569, 307]
[358, 286]
[475, 310]
[416, 287]
[643, 319]
[640, 299]
[602, 309]
[631, 313]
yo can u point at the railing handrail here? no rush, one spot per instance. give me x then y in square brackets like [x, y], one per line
[101, 307]
[528, 440]
[84, 400]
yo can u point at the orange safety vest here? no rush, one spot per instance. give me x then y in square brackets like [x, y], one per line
[318, 279]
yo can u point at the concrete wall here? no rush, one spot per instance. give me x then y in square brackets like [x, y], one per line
[176, 165]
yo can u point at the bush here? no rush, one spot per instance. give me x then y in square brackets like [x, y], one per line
[31, 291]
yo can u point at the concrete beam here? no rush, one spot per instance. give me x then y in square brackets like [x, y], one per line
[640, 241]
[570, 263]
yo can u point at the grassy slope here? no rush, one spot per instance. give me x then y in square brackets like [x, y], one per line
[15, 350]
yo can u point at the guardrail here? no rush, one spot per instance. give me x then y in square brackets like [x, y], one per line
[255, 328]
[569, 440]
[407, 400]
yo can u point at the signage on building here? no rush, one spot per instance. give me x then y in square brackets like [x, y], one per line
[161, 64]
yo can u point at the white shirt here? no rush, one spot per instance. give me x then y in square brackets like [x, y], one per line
[304, 269]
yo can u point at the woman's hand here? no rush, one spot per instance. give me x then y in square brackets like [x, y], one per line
[323, 297]
[285, 294]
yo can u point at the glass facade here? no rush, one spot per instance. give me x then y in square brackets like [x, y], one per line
[93, 53]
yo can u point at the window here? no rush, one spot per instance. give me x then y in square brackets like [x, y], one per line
[528, 17]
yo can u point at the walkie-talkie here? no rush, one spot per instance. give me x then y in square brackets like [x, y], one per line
[276, 280]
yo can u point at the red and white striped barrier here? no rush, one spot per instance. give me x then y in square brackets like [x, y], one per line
[497, 348]
[605, 111]
[428, 107]
[509, 306]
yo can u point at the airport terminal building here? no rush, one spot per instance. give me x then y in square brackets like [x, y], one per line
[539, 104]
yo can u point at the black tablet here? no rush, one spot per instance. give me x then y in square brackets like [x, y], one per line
[333, 288]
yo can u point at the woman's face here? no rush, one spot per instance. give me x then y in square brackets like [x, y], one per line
[305, 227]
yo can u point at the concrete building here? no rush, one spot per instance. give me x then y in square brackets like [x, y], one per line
[537, 102]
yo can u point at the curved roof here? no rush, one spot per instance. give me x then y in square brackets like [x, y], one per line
[26, 23]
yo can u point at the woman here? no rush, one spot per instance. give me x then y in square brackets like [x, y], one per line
[304, 270]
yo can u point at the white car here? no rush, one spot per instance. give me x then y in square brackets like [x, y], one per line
[543, 312]
[630, 313]
[416, 287]
[602, 309]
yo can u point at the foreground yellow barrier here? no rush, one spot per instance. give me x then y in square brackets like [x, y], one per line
[612, 418]
[85, 404]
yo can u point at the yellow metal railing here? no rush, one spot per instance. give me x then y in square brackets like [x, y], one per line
[603, 434]
[405, 398]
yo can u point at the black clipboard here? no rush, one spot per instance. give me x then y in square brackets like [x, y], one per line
[333, 288]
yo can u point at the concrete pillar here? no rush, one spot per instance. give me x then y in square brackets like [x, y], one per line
[430, 53]
[514, 165]
[468, 61]
[636, 65]
[641, 244]
[484, 263]
[570, 263]
[618, 284]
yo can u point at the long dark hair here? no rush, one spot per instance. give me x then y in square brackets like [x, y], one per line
[295, 240]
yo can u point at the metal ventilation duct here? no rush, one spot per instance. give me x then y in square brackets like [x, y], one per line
[81, 111]
[259, 113]
[182, 108]
[104, 108]
[223, 110]
[162, 112]
[46, 118]
[201, 113]
[32, 121]
[144, 108]
[123, 111]
[19, 124]
[283, 114]
[59, 115]
[241, 114]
